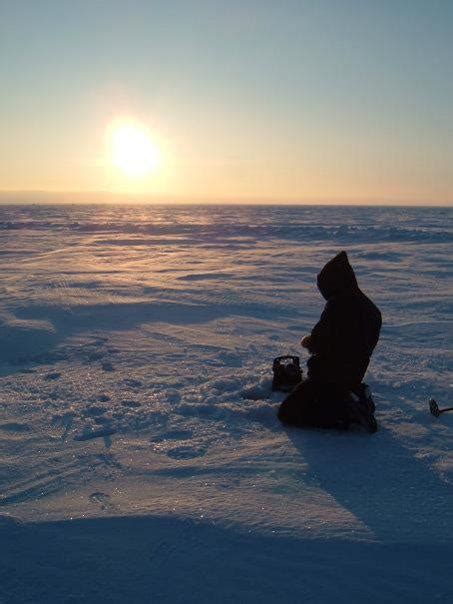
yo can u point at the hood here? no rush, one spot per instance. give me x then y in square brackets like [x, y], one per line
[336, 277]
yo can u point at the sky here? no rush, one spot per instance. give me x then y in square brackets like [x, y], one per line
[305, 101]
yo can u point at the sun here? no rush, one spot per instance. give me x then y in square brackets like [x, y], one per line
[132, 150]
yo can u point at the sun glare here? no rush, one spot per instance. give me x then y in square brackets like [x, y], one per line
[132, 150]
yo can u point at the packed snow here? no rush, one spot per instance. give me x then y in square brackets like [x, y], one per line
[141, 458]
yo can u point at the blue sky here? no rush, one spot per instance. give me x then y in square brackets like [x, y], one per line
[290, 100]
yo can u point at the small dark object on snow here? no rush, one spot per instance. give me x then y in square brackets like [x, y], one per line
[434, 408]
[287, 373]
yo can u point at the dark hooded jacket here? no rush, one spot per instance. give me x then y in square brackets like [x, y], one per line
[342, 341]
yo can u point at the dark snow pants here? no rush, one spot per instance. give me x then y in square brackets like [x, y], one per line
[315, 404]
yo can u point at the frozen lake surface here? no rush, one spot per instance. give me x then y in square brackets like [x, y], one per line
[140, 453]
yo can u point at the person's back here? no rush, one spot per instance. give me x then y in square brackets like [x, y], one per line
[341, 344]
[343, 340]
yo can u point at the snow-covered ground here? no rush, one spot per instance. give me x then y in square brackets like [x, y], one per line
[140, 454]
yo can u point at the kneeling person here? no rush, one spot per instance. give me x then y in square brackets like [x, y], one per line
[341, 344]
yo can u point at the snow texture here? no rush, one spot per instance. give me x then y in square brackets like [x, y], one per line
[141, 458]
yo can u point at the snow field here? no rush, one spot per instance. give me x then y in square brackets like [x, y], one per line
[139, 444]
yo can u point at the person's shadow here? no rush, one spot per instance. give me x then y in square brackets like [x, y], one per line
[398, 498]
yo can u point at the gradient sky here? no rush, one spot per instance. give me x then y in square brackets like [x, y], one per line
[289, 100]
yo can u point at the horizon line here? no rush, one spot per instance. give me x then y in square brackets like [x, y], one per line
[49, 197]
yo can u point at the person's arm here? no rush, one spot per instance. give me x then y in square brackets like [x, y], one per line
[321, 335]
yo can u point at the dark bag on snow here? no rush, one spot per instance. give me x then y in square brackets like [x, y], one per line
[287, 373]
